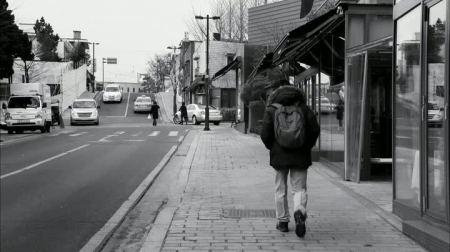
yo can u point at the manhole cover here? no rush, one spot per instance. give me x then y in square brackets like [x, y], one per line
[249, 213]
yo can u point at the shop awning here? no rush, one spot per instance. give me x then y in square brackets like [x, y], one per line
[264, 63]
[300, 40]
[198, 81]
[232, 65]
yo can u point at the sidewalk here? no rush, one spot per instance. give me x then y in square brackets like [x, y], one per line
[228, 204]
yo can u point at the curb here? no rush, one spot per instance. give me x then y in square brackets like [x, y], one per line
[156, 237]
[99, 239]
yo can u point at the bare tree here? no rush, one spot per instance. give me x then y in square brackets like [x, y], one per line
[233, 21]
[158, 68]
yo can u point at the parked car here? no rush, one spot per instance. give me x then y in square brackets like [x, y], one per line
[112, 93]
[84, 111]
[142, 104]
[326, 107]
[435, 115]
[196, 113]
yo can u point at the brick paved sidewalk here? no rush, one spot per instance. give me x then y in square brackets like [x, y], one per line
[228, 204]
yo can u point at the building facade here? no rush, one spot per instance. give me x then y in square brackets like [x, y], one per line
[420, 120]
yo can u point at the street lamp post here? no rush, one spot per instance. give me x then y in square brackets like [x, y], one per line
[93, 62]
[174, 48]
[207, 68]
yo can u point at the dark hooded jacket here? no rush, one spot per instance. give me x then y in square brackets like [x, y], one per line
[281, 158]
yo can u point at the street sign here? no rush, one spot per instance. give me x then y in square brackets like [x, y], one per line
[111, 60]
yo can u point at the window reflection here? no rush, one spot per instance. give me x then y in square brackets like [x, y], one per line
[435, 93]
[407, 108]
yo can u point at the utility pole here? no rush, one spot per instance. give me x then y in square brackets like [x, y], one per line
[94, 63]
[173, 79]
[207, 68]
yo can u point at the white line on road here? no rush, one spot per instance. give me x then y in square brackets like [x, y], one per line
[119, 132]
[134, 140]
[62, 132]
[43, 161]
[137, 134]
[180, 139]
[154, 133]
[78, 134]
[149, 116]
[173, 133]
[104, 139]
[128, 102]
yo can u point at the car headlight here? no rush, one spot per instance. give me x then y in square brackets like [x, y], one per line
[8, 116]
[73, 113]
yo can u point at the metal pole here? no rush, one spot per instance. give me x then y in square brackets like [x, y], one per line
[103, 72]
[207, 76]
[93, 64]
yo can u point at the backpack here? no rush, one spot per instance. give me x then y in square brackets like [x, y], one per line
[289, 126]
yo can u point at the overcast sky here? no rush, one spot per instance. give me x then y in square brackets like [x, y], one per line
[130, 30]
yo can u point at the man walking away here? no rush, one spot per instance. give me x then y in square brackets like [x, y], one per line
[154, 111]
[290, 130]
[183, 111]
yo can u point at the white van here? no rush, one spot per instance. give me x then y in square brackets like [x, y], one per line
[112, 93]
[28, 108]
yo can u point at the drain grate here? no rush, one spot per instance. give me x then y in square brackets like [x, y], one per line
[249, 213]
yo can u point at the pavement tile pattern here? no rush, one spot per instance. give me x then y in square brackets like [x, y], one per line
[230, 171]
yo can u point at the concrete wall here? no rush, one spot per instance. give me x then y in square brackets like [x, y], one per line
[73, 85]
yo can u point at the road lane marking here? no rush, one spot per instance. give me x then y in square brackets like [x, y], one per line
[173, 133]
[119, 132]
[137, 134]
[134, 140]
[128, 102]
[149, 116]
[43, 161]
[62, 132]
[78, 134]
[180, 139]
[104, 139]
[154, 133]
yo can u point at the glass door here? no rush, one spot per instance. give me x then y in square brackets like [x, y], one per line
[435, 102]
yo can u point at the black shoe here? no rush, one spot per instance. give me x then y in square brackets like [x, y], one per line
[300, 227]
[283, 226]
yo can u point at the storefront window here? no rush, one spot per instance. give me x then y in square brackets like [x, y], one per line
[435, 92]
[407, 108]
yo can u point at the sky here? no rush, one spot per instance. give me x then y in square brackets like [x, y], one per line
[130, 30]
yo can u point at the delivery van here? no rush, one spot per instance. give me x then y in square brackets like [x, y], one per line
[28, 108]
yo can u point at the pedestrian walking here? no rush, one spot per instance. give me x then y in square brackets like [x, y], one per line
[290, 130]
[340, 113]
[183, 111]
[154, 111]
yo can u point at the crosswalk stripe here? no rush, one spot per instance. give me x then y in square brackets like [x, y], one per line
[173, 133]
[154, 133]
[78, 134]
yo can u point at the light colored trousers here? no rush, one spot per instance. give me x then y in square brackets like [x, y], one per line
[298, 184]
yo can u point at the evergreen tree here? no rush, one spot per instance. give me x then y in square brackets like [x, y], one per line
[47, 41]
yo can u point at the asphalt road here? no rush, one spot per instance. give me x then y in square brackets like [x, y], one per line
[59, 189]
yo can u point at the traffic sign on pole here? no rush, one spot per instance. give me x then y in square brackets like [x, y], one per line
[111, 60]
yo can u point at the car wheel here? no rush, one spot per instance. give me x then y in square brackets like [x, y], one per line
[216, 123]
[194, 120]
[47, 127]
[43, 129]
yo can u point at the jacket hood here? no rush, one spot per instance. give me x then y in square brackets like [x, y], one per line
[287, 95]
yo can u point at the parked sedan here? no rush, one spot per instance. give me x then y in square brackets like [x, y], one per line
[196, 113]
[84, 111]
[142, 104]
[435, 115]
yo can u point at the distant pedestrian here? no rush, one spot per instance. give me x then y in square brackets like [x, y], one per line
[340, 113]
[290, 130]
[183, 111]
[154, 111]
